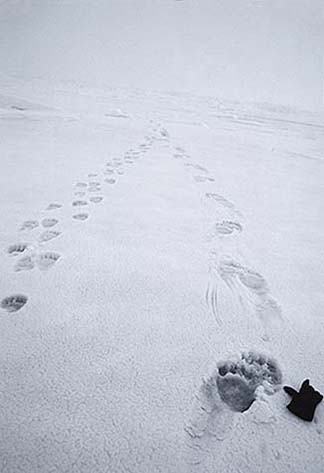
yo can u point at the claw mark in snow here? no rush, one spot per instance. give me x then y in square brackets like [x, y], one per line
[17, 248]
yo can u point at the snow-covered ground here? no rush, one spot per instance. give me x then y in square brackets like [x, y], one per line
[147, 239]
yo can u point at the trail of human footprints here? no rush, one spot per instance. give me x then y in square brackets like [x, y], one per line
[235, 383]
[28, 253]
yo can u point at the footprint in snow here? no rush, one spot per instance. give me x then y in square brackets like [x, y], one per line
[226, 227]
[110, 181]
[49, 222]
[53, 206]
[26, 263]
[48, 235]
[96, 199]
[81, 216]
[230, 390]
[203, 179]
[48, 259]
[81, 184]
[78, 203]
[29, 225]
[13, 303]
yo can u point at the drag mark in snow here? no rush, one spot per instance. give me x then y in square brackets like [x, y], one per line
[249, 287]
[29, 225]
[47, 260]
[49, 222]
[48, 235]
[13, 303]
[210, 422]
[17, 249]
[54, 206]
[212, 300]
[81, 216]
[24, 264]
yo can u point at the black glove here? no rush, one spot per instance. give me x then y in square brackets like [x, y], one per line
[303, 404]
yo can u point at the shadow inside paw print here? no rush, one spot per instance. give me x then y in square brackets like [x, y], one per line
[237, 380]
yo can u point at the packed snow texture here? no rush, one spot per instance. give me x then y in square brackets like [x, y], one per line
[148, 235]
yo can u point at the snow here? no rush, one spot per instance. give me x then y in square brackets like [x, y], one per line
[153, 242]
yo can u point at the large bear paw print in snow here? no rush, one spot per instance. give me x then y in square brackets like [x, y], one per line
[237, 380]
[229, 390]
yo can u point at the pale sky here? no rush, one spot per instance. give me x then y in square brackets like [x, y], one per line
[238, 49]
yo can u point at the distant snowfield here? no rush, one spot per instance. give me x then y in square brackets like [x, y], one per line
[161, 253]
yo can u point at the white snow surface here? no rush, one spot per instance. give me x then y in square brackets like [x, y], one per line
[154, 235]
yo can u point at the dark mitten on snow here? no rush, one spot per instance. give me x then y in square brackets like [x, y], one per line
[304, 402]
